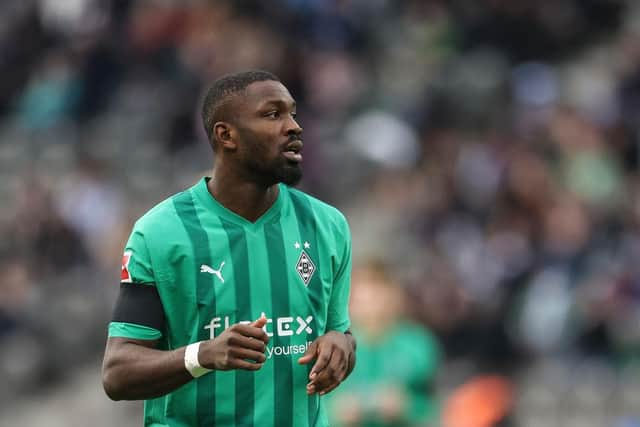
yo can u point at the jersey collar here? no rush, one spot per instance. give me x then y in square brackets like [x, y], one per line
[202, 193]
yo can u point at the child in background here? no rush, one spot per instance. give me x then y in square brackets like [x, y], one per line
[397, 360]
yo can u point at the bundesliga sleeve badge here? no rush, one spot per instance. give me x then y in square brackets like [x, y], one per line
[125, 277]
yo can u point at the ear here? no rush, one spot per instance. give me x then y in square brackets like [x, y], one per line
[223, 134]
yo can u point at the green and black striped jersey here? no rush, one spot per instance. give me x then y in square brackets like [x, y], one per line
[213, 268]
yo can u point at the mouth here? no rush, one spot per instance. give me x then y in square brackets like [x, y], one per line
[293, 151]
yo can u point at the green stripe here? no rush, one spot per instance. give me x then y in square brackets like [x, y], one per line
[244, 390]
[309, 230]
[185, 209]
[283, 371]
[131, 330]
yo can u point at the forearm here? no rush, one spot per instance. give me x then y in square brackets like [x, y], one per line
[132, 371]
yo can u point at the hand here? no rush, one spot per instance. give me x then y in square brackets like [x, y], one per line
[334, 353]
[241, 346]
[349, 410]
[391, 403]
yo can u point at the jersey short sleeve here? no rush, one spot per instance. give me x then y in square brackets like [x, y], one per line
[136, 261]
[136, 270]
[338, 312]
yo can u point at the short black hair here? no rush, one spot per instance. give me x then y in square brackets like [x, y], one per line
[221, 92]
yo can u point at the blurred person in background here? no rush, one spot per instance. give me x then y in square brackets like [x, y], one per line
[16, 288]
[398, 360]
[482, 401]
[50, 243]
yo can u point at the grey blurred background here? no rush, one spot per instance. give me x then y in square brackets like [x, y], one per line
[486, 150]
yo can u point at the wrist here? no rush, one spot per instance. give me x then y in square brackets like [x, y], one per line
[191, 361]
[350, 338]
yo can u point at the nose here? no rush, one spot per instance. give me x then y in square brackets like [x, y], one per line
[293, 128]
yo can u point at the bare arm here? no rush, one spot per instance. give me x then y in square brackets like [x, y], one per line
[135, 369]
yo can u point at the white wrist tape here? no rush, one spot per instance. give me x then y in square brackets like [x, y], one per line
[191, 362]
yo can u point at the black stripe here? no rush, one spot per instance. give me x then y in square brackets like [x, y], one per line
[139, 304]
[244, 392]
[280, 302]
[184, 205]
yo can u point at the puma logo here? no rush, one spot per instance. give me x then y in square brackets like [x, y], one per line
[204, 268]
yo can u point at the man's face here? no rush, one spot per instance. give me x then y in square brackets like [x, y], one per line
[269, 138]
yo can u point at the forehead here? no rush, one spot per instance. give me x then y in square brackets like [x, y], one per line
[260, 93]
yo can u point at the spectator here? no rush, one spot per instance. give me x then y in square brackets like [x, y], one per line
[397, 360]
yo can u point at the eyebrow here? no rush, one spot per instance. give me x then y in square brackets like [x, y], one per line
[277, 102]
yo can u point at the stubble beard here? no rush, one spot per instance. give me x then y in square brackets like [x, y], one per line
[269, 173]
[278, 171]
[290, 174]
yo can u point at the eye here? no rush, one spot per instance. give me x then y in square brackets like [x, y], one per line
[273, 114]
[294, 114]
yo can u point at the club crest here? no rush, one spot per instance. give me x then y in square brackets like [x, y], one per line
[305, 268]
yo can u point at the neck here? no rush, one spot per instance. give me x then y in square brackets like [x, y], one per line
[248, 199]
[374, 331]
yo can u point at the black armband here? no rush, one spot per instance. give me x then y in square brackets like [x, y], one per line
[139, 304]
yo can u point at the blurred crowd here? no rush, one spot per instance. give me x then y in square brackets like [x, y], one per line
[486, 152]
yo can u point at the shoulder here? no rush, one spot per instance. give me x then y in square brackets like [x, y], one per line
[310, 205]
[160, 217]
[416, 334]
